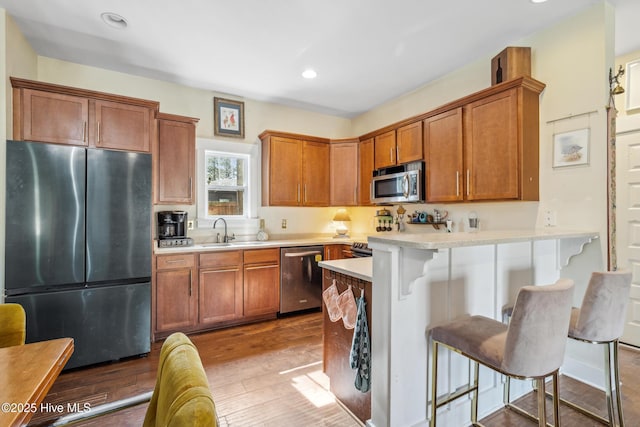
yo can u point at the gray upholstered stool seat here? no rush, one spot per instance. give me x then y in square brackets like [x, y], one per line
[600, 320]
[531, 346]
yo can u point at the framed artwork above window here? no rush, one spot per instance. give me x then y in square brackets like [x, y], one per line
[228, 117]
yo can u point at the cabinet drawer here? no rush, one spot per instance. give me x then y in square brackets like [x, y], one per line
[167, 262]
[261, 256]
[221, 259]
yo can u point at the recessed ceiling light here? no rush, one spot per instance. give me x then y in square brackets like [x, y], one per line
[538, 1]
[309, 74]
[114, 20]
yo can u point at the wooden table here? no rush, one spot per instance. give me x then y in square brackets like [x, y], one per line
[27, 372]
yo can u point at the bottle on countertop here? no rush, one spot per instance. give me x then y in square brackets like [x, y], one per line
[262, 235]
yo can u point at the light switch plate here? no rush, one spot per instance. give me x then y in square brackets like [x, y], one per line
[189, 225]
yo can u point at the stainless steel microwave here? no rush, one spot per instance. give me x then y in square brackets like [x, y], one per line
[398, 184]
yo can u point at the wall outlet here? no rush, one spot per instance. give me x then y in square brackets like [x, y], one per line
[550, 218]
[189, 225]
[284, 223]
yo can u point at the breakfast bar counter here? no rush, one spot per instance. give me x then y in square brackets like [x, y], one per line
[420, 280]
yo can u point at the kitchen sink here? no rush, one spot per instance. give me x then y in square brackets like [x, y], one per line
[215, 245]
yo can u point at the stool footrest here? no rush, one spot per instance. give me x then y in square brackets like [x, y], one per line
[461, 391]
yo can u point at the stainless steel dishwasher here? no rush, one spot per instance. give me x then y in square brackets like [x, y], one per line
[301, 278]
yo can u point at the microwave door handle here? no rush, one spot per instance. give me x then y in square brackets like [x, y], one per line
[405, 185]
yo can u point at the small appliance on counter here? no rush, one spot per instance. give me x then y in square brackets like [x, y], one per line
[172, 229]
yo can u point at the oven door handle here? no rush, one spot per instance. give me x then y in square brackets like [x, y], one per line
[305, 253]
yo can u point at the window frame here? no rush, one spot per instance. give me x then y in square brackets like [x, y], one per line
[243, 149]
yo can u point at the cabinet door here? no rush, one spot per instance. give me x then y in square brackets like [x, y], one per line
[491, 147]
[261, 289]
[365, 172]
[443, 157]
[344, 174]
[385, 150]
[409, 143]
[122, 126]
[52, 117]
[220, 297]
[315, 174]
[285, 171]
[176, 158]
[175, 300]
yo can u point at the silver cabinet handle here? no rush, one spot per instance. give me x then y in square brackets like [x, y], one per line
[262, 267]
[468, 181]
[176, 261]
[190, 282]
[190, 187]
[98, 132]
[457, 183]
[305, 193]
[298, 196]
[391, 155]
[84, 131]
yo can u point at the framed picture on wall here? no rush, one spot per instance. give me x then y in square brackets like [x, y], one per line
[633, 85]
[571, 148]
[228, 117]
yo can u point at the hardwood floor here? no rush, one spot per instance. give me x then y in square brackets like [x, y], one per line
[270, 374]
[265, 374]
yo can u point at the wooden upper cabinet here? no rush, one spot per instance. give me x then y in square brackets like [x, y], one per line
[175, 159]
[365, 173]
[409, 143]
[443, 153]
[281, 171]
[385, 149]
[122, 126]
[57, 114]
[492, 148]
[295, 170]
[344, 173]
[50, 117]
[315, 174]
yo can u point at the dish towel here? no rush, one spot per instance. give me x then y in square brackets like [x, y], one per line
[330, 297]
[360, 356]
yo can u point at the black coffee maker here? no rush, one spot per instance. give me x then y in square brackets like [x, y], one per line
[172, 225]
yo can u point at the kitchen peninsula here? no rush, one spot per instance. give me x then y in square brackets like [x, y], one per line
[420, 280]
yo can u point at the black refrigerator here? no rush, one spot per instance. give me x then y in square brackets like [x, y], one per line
[78, 247]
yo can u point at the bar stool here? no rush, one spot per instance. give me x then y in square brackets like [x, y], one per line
[12, 325]
[531, 347]
[600, 320]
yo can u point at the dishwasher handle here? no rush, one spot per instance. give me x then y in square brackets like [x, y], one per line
[297, 254]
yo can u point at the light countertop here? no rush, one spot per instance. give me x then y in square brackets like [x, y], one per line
[489, 237]
[360, 268]
[237, 245]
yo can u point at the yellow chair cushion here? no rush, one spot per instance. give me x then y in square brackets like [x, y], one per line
[181, 396]
[12, 325]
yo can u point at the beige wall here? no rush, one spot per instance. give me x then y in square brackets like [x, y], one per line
[572, 58]
[577, 194]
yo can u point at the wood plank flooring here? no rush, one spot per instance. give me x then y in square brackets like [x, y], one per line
[270, 374]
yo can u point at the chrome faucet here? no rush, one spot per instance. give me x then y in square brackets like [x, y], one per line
[226, 237]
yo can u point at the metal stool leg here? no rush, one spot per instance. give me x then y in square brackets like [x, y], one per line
[616, 371]
[434, 384]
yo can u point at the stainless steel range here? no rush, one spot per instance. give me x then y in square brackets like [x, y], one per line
[361, 250]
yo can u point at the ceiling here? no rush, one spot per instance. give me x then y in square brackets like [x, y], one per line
[365, 52]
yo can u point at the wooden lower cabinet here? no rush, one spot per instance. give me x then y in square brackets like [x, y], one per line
[200, 291]
[261, 281]
[220, 296]
[175, 300]
[337, 341]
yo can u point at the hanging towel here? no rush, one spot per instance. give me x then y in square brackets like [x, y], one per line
[360, 356]
[330, 297]
[347, 304]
